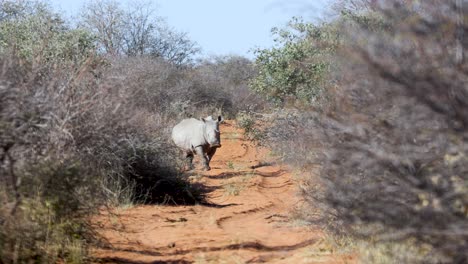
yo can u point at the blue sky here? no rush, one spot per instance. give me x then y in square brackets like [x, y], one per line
[223, 27]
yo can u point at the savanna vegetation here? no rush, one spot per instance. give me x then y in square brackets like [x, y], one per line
[371, 106]
[86, 110]
[374, 112]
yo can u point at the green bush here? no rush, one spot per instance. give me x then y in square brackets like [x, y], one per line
[48, 223]
[247, 122]
[296, 68]
[33, 32]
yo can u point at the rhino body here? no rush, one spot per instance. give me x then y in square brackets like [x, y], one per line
[201, 137]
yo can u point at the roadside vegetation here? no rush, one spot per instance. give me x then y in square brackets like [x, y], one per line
[370, 107]
[85, 118]
[374, 111]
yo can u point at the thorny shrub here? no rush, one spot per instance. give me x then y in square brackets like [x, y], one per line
[388, 162]
[90, 133]
[80, 130]
[71, 145]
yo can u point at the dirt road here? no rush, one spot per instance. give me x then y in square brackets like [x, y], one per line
[249, 219]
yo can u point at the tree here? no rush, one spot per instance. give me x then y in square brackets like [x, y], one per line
[174, 47]
[36, 34]
[296, 67]
[139, 29]
[106, 20]
[136, 31]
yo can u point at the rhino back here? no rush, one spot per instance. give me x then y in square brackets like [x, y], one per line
[188, 133]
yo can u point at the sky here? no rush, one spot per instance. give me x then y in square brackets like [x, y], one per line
[225, 27]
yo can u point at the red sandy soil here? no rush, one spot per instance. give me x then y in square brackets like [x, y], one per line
[250, 220]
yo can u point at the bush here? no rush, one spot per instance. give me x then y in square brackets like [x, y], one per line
[38, 234]
[294, 71]
[79, 131]
[68, 144]
[387, 162]
[252, 129]
[212, 87]
[225, 80]
[40, 37]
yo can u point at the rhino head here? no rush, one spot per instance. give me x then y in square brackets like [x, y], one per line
[211, 133]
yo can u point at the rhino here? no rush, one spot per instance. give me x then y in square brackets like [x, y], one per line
[201, 137]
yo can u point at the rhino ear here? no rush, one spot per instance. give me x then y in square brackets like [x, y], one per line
[220, 119]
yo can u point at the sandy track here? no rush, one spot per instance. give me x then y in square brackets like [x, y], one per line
[248, 219]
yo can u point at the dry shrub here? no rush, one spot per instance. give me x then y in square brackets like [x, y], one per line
[79, 130]
[78, 136]
[226, 79]
[392, 153]
[70, 143]
[217, 86]
[46, 185]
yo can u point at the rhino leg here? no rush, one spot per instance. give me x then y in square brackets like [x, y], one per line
[204, 158]
[189, 158]
[211, 153]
